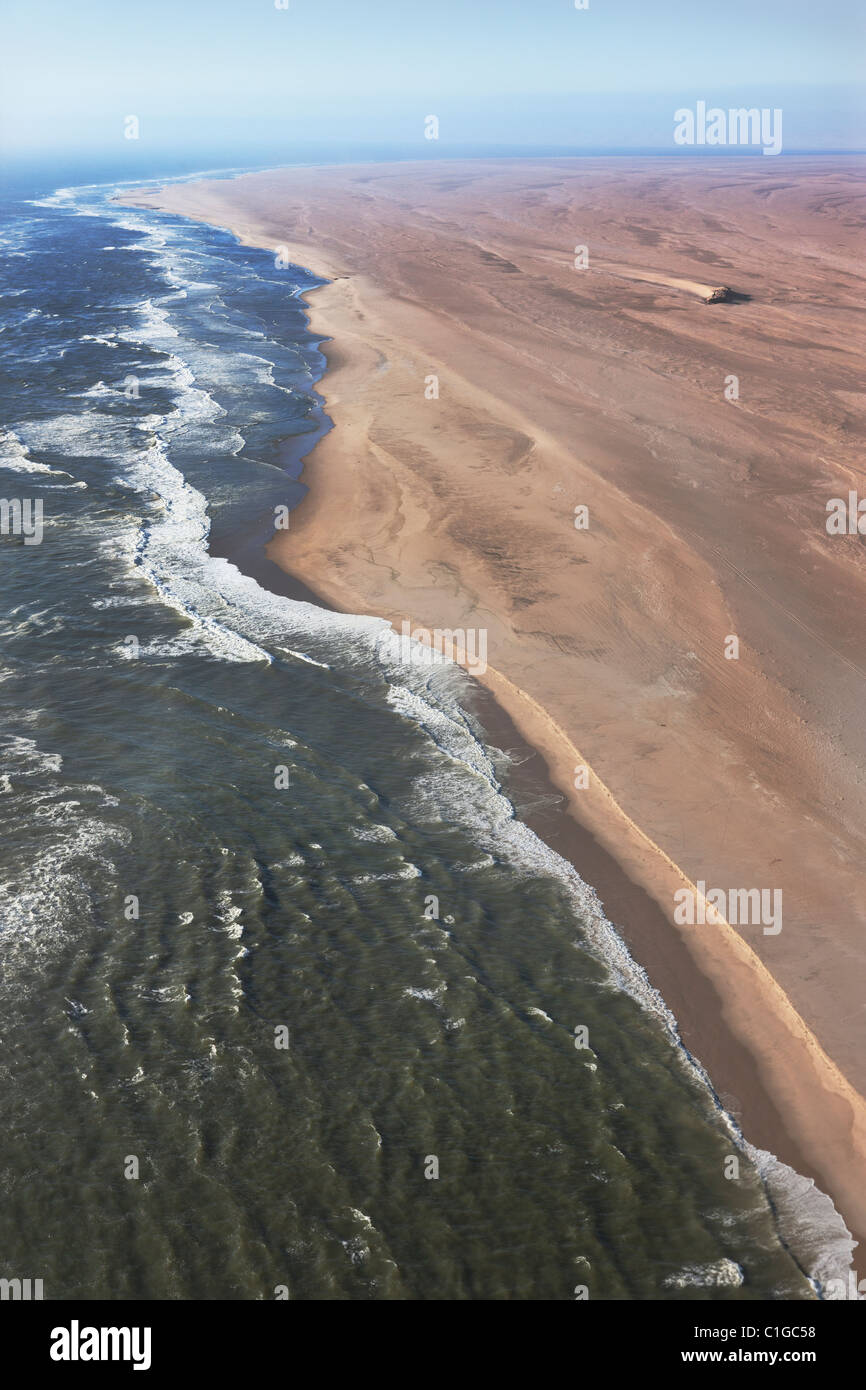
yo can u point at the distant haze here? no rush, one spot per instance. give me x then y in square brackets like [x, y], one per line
[245, 75]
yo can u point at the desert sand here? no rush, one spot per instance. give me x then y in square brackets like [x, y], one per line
[598, 378]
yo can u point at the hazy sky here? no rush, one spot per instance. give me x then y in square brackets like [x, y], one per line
[245, 73]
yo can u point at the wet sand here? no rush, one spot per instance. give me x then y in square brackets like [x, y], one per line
[604, 385]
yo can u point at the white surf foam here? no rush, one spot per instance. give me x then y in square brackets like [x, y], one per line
[51, 885]
[16, 458]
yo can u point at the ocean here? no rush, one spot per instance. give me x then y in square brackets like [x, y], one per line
[293, 1003]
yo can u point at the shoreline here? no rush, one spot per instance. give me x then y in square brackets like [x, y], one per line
[786, 1093]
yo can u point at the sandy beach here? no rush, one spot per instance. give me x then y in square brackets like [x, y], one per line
[512, 341]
